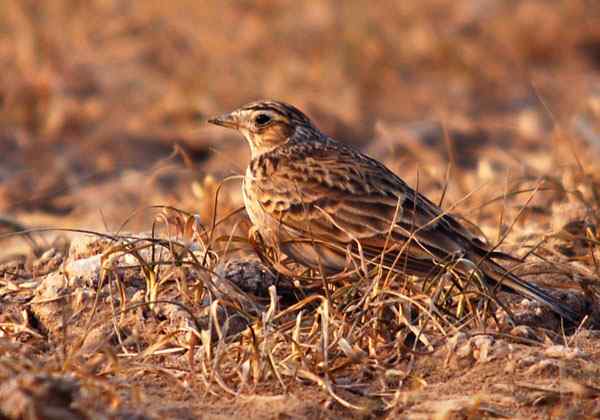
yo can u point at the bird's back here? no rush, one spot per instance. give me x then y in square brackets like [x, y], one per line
[324, 190]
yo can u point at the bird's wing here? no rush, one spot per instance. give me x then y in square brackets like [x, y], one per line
[340, 195]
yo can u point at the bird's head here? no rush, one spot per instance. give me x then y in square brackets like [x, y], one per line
[266, 124]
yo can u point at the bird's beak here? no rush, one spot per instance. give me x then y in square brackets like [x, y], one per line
[226, 120]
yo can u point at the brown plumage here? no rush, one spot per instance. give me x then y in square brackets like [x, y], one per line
[321, 201]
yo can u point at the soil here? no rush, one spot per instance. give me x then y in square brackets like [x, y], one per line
[120, 297]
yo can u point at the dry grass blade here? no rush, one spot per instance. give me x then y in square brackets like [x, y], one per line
[326, 385]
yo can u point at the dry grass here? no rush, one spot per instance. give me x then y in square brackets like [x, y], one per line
[182, 320]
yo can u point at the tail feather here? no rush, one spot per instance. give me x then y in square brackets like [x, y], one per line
[512, 283]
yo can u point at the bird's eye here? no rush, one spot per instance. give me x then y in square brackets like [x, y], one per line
[262, 119]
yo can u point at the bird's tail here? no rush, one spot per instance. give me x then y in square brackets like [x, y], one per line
[511, 283]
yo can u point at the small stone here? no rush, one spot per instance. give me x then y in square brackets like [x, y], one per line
[563, 352]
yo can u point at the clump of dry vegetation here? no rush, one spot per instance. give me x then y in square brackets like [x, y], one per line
[131, 284]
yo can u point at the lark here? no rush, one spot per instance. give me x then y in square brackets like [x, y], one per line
[324, 203]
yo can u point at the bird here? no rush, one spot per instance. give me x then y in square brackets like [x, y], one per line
[323, 202]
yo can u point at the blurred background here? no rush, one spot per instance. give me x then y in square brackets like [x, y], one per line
[102, 102]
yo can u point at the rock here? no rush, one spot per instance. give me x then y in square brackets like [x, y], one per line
[562, 352]
[85, 271]
[83, 246]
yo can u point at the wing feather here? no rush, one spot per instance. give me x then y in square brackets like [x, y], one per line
[341, 195]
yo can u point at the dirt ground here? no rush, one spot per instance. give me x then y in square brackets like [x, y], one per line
[132, 287]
